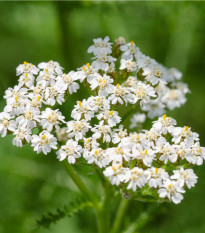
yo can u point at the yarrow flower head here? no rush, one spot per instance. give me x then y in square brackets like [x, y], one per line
[124, 85]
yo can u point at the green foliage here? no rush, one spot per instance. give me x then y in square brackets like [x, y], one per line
[144, 217]
[171, 32]
[67, 211]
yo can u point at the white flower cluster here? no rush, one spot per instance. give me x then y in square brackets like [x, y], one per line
[120, 78]
[160, 157]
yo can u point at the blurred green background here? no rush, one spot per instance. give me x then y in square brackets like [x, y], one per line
[171, 32]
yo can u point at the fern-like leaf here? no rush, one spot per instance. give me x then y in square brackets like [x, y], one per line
[67, 211]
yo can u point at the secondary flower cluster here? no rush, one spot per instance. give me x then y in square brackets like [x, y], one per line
[122, 80]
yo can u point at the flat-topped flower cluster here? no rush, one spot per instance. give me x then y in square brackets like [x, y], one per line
[120, 79]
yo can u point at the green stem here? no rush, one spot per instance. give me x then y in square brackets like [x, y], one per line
[79, 183]
[82, 187]
[142, 219]
[106, 206]
[101, 177]
[120, 214]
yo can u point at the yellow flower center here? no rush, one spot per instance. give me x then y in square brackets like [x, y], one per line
[164, 117]
[186, 128]
[96, 152]
[156, 169]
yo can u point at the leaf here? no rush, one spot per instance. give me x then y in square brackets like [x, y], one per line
[67, 211]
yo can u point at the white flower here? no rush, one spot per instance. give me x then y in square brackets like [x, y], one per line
[71, 150]
[167, 152]
[26, 68]
[154, 108]
[98, 157]
[137, 119]
[16, 94]
[89, 144]
[120, 94]
[101, 45]
[152, 136]
[157, 175]
[172, 74]
[129, 65]
[146, 155]
[82, 109]
[172, 190]
[153, 75]
[36, 90]
[16, 108]
[67, 82]
[6, 124]
[116, 155]
[36, 100]
[129, 50]
[184, 134]
[185, 177]
[111, 117]
[115, 173]
[119, 134]
[164, 125]
[143, 92]
[26, 79]
[182, 87]
[87, 71]
[145, 61]
[46, 78]
[21, 135]
[103, 61]
[197, 154]
[29, 117]
[103, 131]
[98, 103]
[77, 129]
[54, 94]
[44, 142]
[103, 83]
[174, 98]
[133, 139]
[52, 66]
[51, 119]
[120, 41]
[183, 152]
[136, 178]
[131, 82]
[118, 75]
[61, 134]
